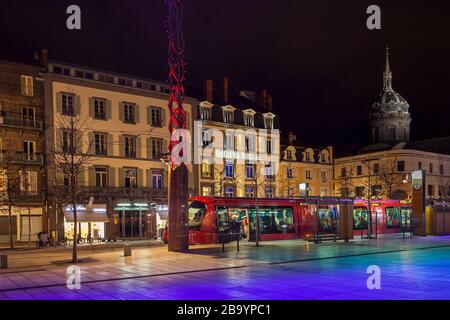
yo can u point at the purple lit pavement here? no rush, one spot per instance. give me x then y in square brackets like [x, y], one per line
[415, 268]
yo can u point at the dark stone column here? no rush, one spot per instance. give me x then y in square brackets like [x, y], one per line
[178, 205]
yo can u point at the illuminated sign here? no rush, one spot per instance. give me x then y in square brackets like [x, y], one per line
[237, 155]
[417, 179]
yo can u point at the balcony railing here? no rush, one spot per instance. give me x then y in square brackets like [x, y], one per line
[22, 158]
[19, 122]
[137, 192]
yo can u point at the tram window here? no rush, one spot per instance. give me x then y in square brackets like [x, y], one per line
[328, 220]
[392, 217]
[360, 221]
[223, 218]
[405, 216]
[196, 213]
[273, 220]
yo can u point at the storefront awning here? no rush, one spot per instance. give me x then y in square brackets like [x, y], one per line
[87, 217]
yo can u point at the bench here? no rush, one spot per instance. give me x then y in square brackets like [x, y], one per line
[318, 238]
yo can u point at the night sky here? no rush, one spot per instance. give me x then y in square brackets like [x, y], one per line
[321, 64]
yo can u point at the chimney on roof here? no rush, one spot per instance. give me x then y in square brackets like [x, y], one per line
[43, 58]
[224, 90]
[209, 90]
[264, 99]
[292, 137]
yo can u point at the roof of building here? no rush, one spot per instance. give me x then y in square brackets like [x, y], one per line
[437, 145]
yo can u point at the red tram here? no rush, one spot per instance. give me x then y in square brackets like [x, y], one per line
[388, 216]
[284, 219]
[279, 219]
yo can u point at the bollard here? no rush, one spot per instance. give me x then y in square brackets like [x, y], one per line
[127, 250]
[3, 262]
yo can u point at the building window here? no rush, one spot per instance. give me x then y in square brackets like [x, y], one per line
[249, 171]
[323, 192]
[228, 116]
[157, 180]
[100, 144]
[101, 177]
[323, 175]
[249, 119]
[376, 168]
[129, 113]
[249, 192]
[431, 168]
[156, 145]
[359, 170]
[308, 156]
[430, 190]
[343, 172]
[26, 84]
[229, 169]
[66, 141]
[130, 146]
[156, 117]
[308, 174]
[206, 191]
[205, 113]
[441, 169]
[288, 154]
[229, 192]
[206, 137]
[67, 104]
[29, 148]
[28, 116]
[360, 192]
[99, 109]
[289, 173]
[130, 175]
[249, 144]
[228, 141]
[268, 123]
[28, 182]
[269, 192]
[376, 190]
[400, 166]
[269, 146]
[206, 170]
[419, 165]
[268, 172]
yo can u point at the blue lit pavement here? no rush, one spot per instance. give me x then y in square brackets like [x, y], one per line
[417, 268]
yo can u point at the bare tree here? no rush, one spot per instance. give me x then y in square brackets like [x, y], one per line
[388, 177]
[71, 155]
[287, 181]
[346, 184]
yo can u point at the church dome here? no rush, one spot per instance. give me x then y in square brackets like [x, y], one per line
[390, 101]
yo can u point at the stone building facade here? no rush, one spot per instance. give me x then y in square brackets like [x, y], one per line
[22, 146]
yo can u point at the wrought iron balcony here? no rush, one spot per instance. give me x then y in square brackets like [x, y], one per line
[19, 122]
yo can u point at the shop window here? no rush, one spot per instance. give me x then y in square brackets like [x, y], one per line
[206, 191]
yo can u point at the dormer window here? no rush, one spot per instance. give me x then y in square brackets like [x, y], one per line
[308, 155]
[228, 114]
[289, 154]
[249, 118]
[324, 157]
[268, 120]
[205, 113]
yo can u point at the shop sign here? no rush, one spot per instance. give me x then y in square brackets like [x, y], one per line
[417, 179]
